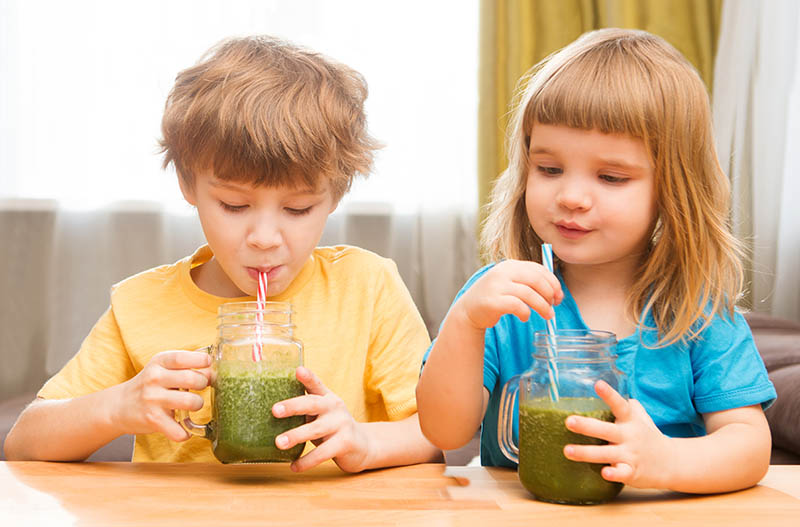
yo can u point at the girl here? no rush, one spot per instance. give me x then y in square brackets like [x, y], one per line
[612, 161]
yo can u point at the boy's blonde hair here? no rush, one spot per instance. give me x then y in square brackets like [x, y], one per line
[260, 110]
[632, 82]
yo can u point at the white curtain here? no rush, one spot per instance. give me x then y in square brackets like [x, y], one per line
[84, 202]
[756, 108]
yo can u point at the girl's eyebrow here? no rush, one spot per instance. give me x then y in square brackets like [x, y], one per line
[608, 161]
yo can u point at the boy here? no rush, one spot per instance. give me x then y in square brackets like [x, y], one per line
[266, 138]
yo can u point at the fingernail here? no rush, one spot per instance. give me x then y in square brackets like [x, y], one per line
[570, 422]
[278, 410]
[568, 451]
[282, 441]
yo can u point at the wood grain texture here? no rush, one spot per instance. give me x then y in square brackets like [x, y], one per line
[135, 494]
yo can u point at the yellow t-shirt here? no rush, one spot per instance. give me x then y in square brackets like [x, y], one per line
[361, 333]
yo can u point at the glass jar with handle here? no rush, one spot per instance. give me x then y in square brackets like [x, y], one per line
[560, 383]
[252, 368]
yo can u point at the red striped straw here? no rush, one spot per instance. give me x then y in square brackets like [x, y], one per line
[261, 298]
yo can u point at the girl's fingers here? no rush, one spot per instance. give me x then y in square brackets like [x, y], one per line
[620, 472]
[605, 454]
[618, 404]
[532, 299]
[593, 428]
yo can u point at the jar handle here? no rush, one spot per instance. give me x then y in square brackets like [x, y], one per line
[505, 420]
[182, 416]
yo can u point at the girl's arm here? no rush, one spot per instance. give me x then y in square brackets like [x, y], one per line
[733, 455]
[451, 397]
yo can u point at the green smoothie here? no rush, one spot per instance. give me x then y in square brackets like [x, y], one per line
[543, 469]
[245, 428]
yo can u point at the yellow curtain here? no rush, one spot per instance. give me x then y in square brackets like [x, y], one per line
[516, 34]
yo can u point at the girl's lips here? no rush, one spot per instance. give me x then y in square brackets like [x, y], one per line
[271, 272]
[571, 234]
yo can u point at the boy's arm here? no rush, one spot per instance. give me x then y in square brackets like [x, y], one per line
[72, 429]
[62, 430]
[353, 446]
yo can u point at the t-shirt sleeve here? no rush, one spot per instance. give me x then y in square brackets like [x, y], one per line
[101, 362]
[728, 370]
[398, 339]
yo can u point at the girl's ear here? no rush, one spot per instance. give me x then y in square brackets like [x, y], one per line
[187, 189]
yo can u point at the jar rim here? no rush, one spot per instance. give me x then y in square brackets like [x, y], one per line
[250, 306]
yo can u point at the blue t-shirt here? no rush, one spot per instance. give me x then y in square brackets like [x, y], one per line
[675, 384]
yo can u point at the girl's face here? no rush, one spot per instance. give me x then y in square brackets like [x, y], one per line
[589, 194]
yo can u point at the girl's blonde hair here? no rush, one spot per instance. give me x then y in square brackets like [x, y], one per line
[632, 82]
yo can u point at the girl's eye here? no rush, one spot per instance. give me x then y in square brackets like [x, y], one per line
[550, 171]
[298, 212]
[232, 208]
[613, 179]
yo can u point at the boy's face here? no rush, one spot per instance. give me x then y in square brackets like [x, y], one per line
[251, 229]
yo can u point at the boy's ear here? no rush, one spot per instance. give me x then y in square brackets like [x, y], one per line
[187, 190]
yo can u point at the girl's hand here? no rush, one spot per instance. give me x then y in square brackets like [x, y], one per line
[328, 425]
[637, 452]
[514, 287]
[147, 401]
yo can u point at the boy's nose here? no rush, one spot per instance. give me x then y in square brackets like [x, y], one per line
[264, 234]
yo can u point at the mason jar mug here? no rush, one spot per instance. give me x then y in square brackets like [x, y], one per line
[560, 383]
[252, 368]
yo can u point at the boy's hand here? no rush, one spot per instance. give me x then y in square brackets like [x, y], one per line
[329, 426]
[637, 451]
[514, 287]
[148, 400]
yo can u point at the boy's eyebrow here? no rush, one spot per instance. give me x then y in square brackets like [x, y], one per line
[610, 161]
[242, 188]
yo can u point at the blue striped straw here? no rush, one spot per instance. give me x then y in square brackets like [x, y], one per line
[552, 350]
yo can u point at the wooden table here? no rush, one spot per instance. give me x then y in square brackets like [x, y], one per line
[110, 494]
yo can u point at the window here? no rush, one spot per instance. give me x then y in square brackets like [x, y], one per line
[84, 84]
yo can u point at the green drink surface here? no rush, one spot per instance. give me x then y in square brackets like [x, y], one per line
[543, 469]
[245, 428]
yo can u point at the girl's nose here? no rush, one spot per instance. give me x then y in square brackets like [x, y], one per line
[264, 233]
[574, 194]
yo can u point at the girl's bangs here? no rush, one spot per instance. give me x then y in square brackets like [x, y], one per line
[612, 96]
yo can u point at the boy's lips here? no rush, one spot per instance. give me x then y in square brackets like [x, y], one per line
[271, 272]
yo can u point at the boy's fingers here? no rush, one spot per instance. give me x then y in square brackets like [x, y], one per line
[312, 431]
[185, 379]
[172, 429]
[178, 400]
[618, 404]
[323, 452]
[179, 360]
[302, 405]
[311, 381]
